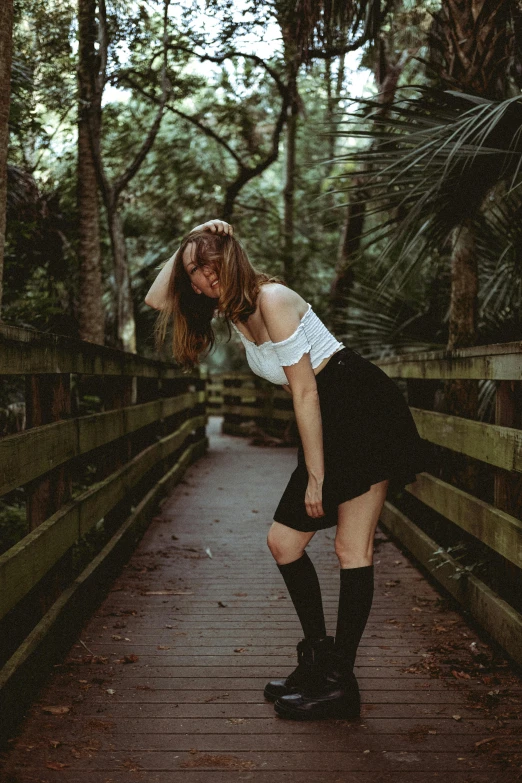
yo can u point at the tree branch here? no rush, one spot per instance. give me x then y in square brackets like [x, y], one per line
[220, 58]
[123, 180]
[188, 117]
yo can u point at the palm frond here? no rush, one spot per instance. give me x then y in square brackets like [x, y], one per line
[431, 165]
[385, 324]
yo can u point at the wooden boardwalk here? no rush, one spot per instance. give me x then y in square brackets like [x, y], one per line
[166, 681]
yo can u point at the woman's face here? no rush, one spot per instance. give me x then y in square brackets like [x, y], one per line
[203, 278]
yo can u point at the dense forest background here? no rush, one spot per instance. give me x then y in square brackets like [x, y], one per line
[366, 152]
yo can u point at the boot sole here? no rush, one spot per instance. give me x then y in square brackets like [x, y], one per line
[335, 711]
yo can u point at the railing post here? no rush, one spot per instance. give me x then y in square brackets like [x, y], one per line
[48, 399]
[201, 408]
[508, 413]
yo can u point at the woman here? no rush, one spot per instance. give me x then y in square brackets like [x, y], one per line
[357, 438]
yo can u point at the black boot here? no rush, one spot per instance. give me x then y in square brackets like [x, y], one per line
[312, 657]
[336, 696]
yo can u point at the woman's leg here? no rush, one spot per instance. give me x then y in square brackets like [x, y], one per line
[338, 696]
[288, 549]
[356, 525]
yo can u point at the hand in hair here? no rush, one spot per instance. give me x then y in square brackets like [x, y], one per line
[217, 226]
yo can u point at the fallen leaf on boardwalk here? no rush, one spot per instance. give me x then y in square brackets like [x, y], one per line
[222, 762]
[239, 649]
[217, 696]
[460, 675]
[116, 637]
[241, 594]
[61, 710]
[131, 765]
[168, 592]
[392, 583]
[163, 647]
[208, 552]
[54, 743]
[222, 603]
[128, 659]
[86, 659]
[235, 721]
[110, 691]
[484, 741]
[439, 628]
[457, 717]
[56, 765]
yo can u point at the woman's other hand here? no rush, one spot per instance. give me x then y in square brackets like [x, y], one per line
[216, 226]
[314, 498]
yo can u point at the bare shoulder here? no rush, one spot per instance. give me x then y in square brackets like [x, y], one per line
[274, 296]
[281, 310]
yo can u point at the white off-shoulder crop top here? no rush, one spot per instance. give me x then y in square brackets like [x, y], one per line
[311, 336]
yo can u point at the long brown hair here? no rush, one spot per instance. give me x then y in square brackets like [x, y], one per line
[192, 313]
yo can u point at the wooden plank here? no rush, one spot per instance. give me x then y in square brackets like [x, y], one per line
[22, 566]
[258, 412]
[29, 454]
[24, 669]
[26, 351]
[491, 443]
[499, 619]
[236, 774]
[500, 361]
[294, 759]
[245, 393]
[493, 527]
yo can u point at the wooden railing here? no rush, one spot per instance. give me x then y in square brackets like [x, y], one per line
[107, 434]
[488, 518]
[242, 398]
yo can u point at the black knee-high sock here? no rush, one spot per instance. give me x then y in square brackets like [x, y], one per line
[303, 585]
[355, 601]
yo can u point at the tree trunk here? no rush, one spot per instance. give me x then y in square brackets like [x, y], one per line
[289, 188]
[6, 53]
[470, 46]
[464, 288]
[124, 302]
[470, 49]
[461, 396]
[91, 313]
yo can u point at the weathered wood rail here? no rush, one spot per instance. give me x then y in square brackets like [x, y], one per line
[489, 516]
[108, 433]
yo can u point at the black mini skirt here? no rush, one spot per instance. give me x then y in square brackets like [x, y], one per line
[368, 435]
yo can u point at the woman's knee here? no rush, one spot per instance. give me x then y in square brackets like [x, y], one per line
[286, 545]
[351, 555]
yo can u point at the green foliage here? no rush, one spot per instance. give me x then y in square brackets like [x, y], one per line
[430, 160]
